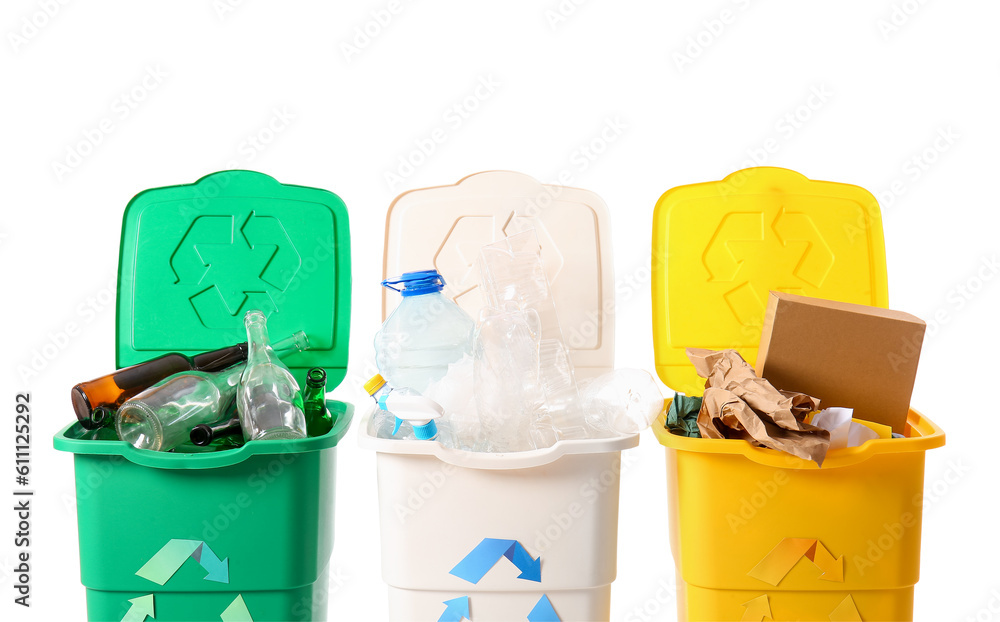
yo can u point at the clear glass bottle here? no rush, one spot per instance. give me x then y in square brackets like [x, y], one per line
[269, 402]
[161, 417]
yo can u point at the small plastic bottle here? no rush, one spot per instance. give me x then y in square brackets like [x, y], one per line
[382, 422]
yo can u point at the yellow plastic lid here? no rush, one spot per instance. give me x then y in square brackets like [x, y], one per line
[374, 383]
[719, 247]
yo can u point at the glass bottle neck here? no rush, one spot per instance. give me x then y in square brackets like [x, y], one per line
[316, 378]
[257, 329]
[259, 344]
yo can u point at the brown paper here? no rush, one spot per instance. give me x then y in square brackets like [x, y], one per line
[738, 404]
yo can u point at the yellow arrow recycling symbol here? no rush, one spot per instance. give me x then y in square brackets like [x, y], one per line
[756, 609]
[779, 562]
[846, 611]
[782, 558]
[759, 608]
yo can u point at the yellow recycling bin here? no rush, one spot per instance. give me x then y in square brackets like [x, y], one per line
[758, 534]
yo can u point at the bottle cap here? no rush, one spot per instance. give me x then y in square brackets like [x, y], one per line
[374, 383]
[425, 432]
[416, 283]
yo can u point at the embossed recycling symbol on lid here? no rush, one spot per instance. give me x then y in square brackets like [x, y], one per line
[797, 244]
[235, 264]
[720, 246]
[458, 255]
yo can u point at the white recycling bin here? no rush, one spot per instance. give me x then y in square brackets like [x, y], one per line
[518, 536]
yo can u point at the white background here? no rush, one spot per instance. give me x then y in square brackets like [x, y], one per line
[896, 75]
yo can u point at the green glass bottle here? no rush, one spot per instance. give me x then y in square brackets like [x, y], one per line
[318, 419]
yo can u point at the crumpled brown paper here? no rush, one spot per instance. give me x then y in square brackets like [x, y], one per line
[738, 404]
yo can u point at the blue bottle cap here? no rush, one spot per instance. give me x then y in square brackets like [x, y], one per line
[416, 283]
[425, 432]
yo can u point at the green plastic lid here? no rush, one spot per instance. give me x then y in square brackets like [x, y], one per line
[195, 258]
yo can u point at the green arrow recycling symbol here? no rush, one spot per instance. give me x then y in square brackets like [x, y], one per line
[165, 564]
[169, 559]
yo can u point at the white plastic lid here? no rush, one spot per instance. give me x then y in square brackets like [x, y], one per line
[445, 227]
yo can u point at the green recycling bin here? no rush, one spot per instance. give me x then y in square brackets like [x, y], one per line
[237, 535]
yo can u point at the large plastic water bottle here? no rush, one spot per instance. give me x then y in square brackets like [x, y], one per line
[424, 335]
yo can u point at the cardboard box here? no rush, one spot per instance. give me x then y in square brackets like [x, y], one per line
[848, 355]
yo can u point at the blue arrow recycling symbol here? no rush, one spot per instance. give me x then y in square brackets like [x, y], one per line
[543, 611]
[457, 609]
[488, 552]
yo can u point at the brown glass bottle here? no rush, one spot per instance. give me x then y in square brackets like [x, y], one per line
[112, 390]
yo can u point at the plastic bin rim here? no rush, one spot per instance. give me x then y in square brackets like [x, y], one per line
[487, 461]
[925, 435]
[213, 460]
